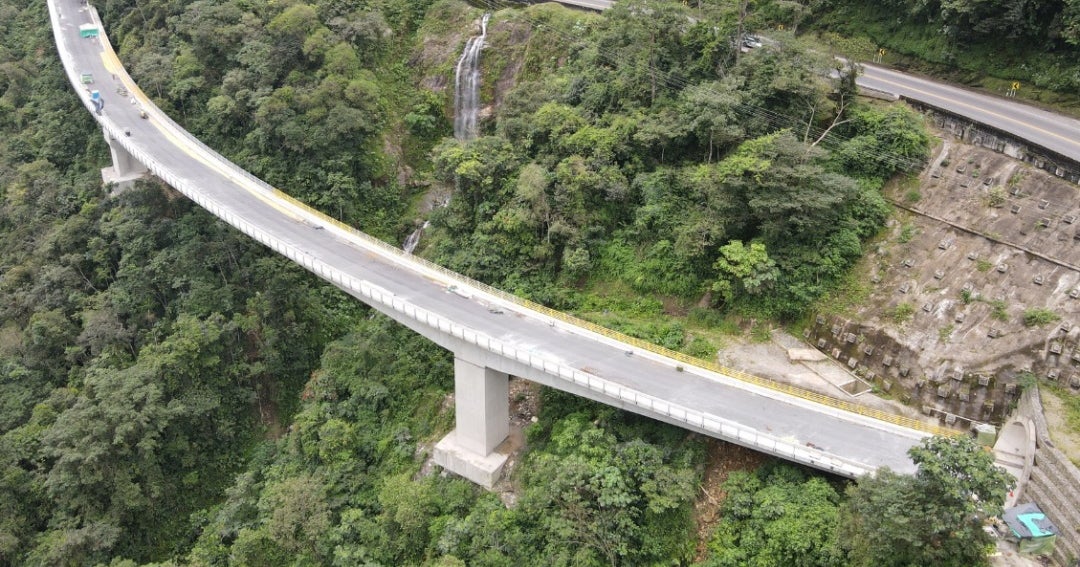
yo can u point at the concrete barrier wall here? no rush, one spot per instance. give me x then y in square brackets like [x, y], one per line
[1054, 483]
[989, 137]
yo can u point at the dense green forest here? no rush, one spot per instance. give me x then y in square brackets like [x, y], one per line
[172, 393]
[675, 168]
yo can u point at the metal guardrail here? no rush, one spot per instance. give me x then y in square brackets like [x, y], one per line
[455, 277]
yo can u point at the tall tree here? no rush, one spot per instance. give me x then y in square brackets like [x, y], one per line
[778, 516]
[933, 517]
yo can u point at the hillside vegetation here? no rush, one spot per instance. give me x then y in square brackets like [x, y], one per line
[171, 393]
[676, 170]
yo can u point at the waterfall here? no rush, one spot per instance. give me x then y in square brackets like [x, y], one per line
[414, 238]
[467, 85]
[466, 108]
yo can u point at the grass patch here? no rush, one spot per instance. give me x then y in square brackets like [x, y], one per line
[909, 186]
[851, 292]
[1027, 381]
[1039, 317]
[902, 313]
[998, 310]
[907, 232]
[612, 304]
[761, 332]
[1071, 403]
[983, 265]
[705, 318]
[945, 333]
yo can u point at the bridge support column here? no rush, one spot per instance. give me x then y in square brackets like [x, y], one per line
[125, 168]
[482, 413]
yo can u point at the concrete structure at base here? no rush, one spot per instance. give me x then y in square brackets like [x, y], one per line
[482, 415]
[125, 168]
[1054, 482]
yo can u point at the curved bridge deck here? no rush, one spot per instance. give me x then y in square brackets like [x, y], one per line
[511, 335]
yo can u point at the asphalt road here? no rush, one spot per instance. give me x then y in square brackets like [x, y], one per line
[795, 421]
[1057, 133]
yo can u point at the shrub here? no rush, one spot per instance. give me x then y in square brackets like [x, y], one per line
[902, 312]
[1039, 316]
[907, 233]
[997, 310]
[945, 333]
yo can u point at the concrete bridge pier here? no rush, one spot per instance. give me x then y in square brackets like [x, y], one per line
[482, 414]
[125, 168]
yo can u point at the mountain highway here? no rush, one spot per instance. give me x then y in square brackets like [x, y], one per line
[1054, 132]
[1057, 133]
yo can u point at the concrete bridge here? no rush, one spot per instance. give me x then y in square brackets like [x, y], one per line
[492, 334]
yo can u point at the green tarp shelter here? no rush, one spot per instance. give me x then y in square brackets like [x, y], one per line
[1035, 533]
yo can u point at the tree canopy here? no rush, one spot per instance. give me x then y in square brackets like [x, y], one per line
[934, 517]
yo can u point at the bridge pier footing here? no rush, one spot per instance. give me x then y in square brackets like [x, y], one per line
[482, 418]
[125, 168]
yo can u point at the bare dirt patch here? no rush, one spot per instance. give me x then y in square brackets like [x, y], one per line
[524, 407]
[1065, 439]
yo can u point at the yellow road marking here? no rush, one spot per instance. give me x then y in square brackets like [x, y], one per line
[991, 113]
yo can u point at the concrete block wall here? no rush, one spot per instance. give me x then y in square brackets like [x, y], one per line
[1054, 484]
[987, 137]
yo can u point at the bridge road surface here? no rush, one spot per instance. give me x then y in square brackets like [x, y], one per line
[834, 434]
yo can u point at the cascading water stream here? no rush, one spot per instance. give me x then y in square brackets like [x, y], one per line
[466, 107]
[467, 85]
[414, 238]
